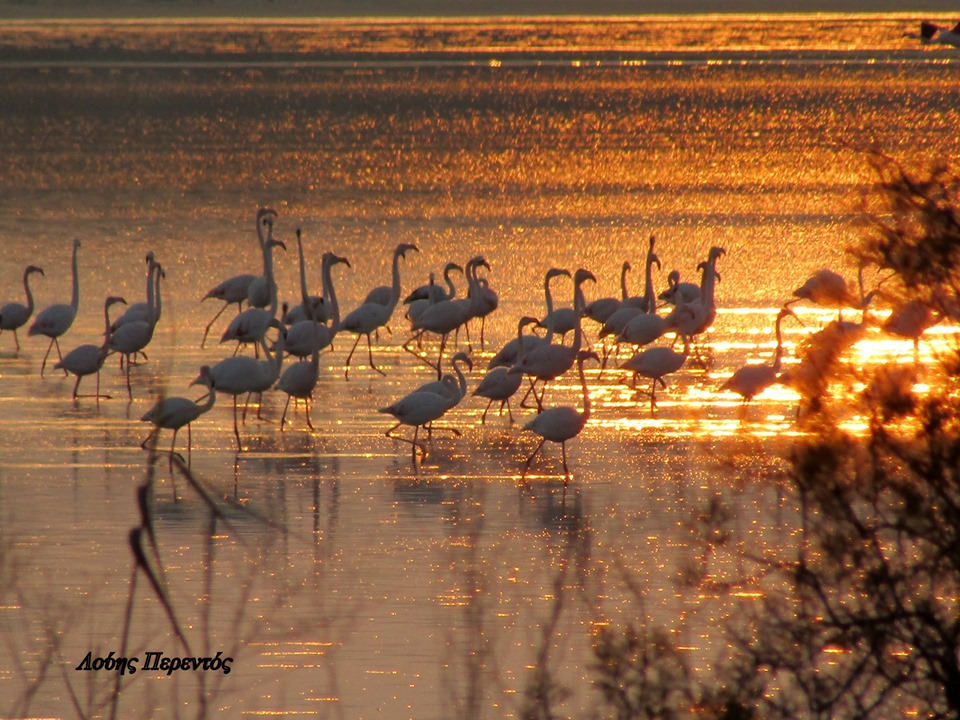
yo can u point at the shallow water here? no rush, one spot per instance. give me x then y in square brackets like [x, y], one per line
[345, 579]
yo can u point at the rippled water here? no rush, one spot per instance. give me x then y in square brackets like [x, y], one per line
[344, 579]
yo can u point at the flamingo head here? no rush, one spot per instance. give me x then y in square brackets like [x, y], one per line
[554, 272]
[582, 275]
[462, 357]
[33, 269]
[402, 249]
[276, 243]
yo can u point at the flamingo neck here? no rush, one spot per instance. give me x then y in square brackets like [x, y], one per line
[75, 298]
[451, 289]
[26, 287]
[649, 297]
[304, 295]
[461, 380]
[106, 332]
[268, 274]
[708, 282]
[778, 355]
[328, 292]
[157, 303]
[548, 338]
[395, 290]
[211, 396]
[586, 393]
[623, 281]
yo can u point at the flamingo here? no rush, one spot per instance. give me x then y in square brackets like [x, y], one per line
[562, 423]
[251, 325]
[263, 287]
[55, 320]
[486, 302]
[242, 374]
[13, 315]
[302, 337]
[829, 289]
[439, 387]
[133, 337]
[628, 310]
[235, 289]
[447, 316]
[676, 290]
[173, 413]
[433, 291]
[88, 359]
[373, 315]
[499, 383]
[299, 380]
[511, 351]
[751, 380]
[933, 34]
[418, 409]
[139, 310]
[910, 321]
[549, 361]
[602, 308]
[311, 307]
[656, 363]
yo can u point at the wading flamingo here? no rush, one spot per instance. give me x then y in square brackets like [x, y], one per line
[88, 359]
[173, 413]
[564, 422]
[54, 320]
[13, 315]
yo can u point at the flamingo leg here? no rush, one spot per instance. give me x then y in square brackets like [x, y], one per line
[370, 355]
[509, 412]
[76, 386]
[45, 356]
[309, 423]
[206, 330]
[483, 418]
[15, 339]
[129, 390]
[236, 430]
[284, 416]
[355, 343]
[563, 454]
[57, 343]
[530, 459]
[443, 342]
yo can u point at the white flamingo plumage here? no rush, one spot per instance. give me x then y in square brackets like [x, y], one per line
[419, 409]
[300, 378]
[263, 287]
[14, 315]
[549, 361]
[564, 422]
[88, 359]
[236, 289]
[242, 374]
[173, 413]
[656, 363]
[499, 384]
[252, 324]
[302, 336]
[311, 307]
[751, 380]
[54, 320]
[140, 310]
[371, 316]
[133, 337]
[602, 308]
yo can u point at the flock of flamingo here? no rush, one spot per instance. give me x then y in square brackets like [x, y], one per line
[303, 330]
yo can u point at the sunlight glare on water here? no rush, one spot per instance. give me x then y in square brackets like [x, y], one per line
[341, 576]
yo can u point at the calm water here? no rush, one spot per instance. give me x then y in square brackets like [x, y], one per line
[345, 580]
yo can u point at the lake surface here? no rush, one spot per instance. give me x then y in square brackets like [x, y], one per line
[343, 578]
